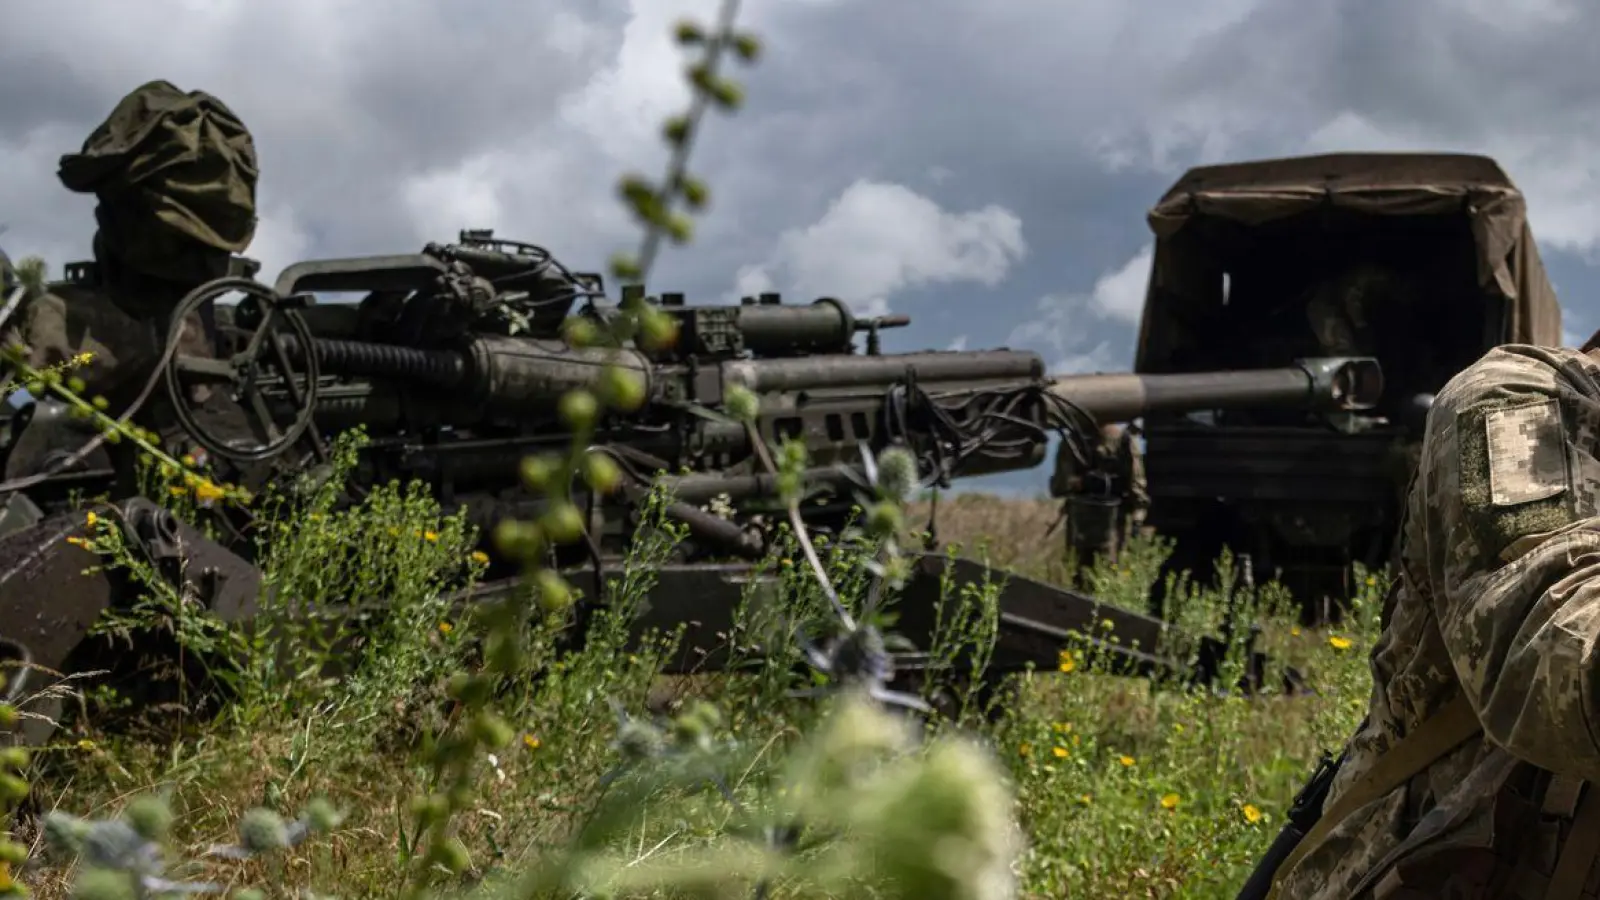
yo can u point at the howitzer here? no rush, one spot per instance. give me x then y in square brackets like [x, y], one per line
[455, 360]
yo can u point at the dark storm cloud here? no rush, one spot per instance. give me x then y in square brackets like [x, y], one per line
[385, 125]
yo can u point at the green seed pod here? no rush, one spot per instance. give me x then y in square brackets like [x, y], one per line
[885, 520]
[601, 472]
[581, 332]
[659, 330]
[538, 472]
[491, 730]
[695, 193]
[470, 690]
[625, 268]
[676, 131]
[742, 403]
[13, 853]
[518, 540]
[748, 46]
[503, 653]
[680, 228]
[578, 409]
[451, 855]
[562, 522]
[555, 594]
[150, 816]
[621, 389]
[688, 33]
[429, 809]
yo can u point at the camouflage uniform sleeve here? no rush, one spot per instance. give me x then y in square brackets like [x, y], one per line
[1511, 543]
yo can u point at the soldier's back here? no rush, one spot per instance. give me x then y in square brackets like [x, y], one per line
[1496, 601]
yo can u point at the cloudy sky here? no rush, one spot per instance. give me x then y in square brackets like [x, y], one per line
[982, 166]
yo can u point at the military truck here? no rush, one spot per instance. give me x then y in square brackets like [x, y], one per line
[1422, 260]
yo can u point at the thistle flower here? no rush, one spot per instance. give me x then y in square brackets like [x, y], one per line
[117, 860]
[859, 658]
[942, 829]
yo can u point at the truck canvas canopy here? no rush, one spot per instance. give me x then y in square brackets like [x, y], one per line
[1256, 235]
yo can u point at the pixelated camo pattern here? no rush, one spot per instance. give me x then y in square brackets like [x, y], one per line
[1499, 595]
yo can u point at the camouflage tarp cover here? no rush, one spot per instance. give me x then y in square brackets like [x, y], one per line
[1258, 194]
[176, 176]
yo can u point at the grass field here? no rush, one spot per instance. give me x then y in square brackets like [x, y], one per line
[1124, 788]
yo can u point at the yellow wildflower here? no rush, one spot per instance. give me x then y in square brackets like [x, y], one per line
[1060, 752]
[1025, 749]
[90, 519]
[1251, 813]
[1170, 801]
[86, 744]
[1062, 727]
[446, 628]
[480, 557]
[1086, 799]
[76, 541]
[1294, 630]
[1339, 643]
[531, 742]
[205, 490]
[430, 536]
[188, 460]
[1371, 582]
[1067, 663]
[1125, 760]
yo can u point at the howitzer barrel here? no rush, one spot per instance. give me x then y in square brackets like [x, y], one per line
[810, 373]
[1336, 383]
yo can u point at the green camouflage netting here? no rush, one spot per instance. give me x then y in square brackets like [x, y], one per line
[176, 177]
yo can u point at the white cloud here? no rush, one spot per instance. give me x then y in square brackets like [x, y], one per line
[959, 344]
[1063, 321]
[877, 239]
[1102, 358]
[279, 242]
[1119, 295]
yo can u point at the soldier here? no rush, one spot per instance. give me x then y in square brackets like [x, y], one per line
[1471, 776]
[1338, 309]
[1105, 499]
[175, 176]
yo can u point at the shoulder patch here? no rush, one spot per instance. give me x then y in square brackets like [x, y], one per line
[1527, 450]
